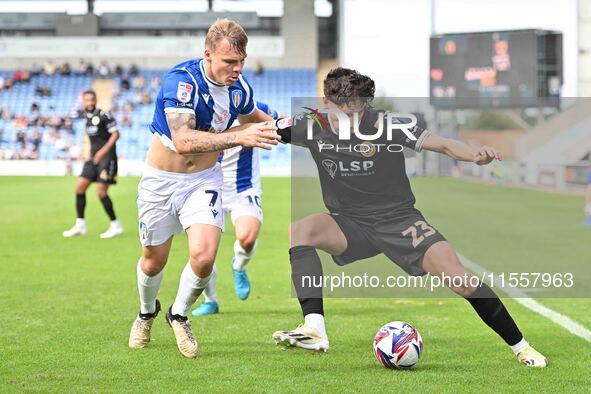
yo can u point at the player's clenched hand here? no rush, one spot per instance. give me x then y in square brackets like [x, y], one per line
[260, 135]
[486, 154]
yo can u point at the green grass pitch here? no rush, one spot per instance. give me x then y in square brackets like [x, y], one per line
[68, 304]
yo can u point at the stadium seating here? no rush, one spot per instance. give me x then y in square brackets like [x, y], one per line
[274, 87]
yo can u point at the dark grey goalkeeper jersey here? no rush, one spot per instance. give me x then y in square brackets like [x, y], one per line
[363, 179]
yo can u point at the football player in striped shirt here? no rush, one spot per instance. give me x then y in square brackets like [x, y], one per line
[181, 183]
[242, 199]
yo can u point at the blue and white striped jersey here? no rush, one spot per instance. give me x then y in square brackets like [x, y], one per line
[187, 89]
[240, 165]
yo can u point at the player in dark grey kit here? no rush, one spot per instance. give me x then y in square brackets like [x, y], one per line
[102, 131]
[371, 211]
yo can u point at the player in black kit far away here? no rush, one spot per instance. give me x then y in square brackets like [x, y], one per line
[102, 132]
[371, 210]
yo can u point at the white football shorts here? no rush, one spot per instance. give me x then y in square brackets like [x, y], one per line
[170, 202]
[245, 203]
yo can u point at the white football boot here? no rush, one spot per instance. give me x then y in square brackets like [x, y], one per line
[114, 230]
[140, 330]
[532, 358]
[185, 339]
[304, 337]
[78, 229]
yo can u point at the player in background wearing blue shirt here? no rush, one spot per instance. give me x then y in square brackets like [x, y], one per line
[242, 198]
[181, 183]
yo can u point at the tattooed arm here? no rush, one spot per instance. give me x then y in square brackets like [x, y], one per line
[188, 140]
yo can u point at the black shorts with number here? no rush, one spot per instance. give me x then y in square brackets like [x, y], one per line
[104, 172]
[404, 239]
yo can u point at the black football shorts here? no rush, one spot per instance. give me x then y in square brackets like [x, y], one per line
[104, 172]
[403, 239]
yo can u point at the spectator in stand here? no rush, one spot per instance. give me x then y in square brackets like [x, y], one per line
[134, 70]
[138, 82]
[51, 137]
[35, 70]
[42, 90]
[103, 70]
[63, 144]
[81, 69]
[34, 105]
[124, 85]
[8, 84]
[18, 76]
[138, 97]
[146, 98]
[36, 119]
[67, 125]
[25, 76]
[1, 83]
[258, 68]
[126, 120]
[6, 113]
[89, 69]
[128, 106]
[35, 141]
[85, 68]
[49, 68]
[65, 69]
[21, 122]
[155, 83]
[21, 138]
[118, 70]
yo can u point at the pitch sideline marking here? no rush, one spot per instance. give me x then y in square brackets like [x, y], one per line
[562, 320]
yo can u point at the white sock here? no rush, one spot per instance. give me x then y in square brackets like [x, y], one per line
[210, 293]
[80, 222]
[241, 257]
[588, 209]
[115, 223]
[519, 346]
[316, 320]
[148, 287]
[190, 288]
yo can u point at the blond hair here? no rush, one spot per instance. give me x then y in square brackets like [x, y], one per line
[230, 30]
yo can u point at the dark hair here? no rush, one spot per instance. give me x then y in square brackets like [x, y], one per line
[342, 84]
[89, 91]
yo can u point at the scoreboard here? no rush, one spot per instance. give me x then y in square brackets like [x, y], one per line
[502, 69]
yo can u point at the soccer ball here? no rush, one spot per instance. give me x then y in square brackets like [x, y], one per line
[398, 345]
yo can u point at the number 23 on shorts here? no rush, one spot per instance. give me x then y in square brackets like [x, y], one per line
[413, 231]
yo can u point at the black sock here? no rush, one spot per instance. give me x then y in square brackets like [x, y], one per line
[108, 205]
[80, 205]
[306, 275]
[492, 311]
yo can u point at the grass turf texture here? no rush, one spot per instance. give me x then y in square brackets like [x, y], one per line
[68, 304]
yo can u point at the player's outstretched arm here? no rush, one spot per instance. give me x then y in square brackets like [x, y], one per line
[459, 150]
[188, 140]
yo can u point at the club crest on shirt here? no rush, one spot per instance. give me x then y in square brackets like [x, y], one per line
[367, 149]
[236, 97]
[183, 92]
[95, 120]
[330, 167]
